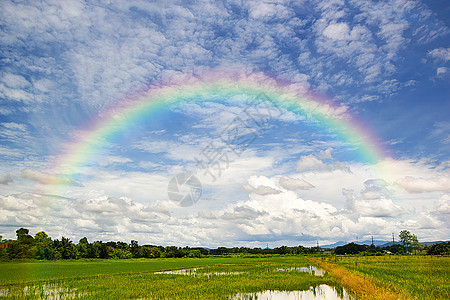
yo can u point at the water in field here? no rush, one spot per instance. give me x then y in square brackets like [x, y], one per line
[311, 270]
[320, 292]
[46, 291]
[194, 272]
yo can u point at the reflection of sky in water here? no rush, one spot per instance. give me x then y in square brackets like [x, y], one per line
[46, 291]
[193, 272]
[323, 291]
[311, 270]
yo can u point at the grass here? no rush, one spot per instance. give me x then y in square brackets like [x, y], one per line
[139, 281]
[407, 277]
[24, 272]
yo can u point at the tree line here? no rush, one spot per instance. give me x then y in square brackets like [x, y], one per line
[408, 243]
[43, 247]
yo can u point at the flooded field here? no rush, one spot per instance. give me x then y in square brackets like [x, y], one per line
[321, 292]
[311, 270]
[46, 291]
[204, 278]
[204, 271]
[276, 277]
[195, 272]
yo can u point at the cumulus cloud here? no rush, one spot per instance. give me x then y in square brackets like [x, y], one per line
[370, 204]
[420, 185]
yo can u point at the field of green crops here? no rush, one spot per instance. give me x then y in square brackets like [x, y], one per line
[420, 276]
[218, 278]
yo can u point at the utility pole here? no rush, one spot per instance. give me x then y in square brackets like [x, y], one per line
[357, 240]
[393, 240]
[372, 239]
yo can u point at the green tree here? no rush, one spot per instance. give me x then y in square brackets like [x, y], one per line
[134, 249]
[195, 253]
[100, 250]
[396, 249]
[439, 249]
[350, 248]
[409, 240]
[84, 248]
[23, 247]
[121, 254]
[65, 249]
[44, 246]
[415, 244]
[155, 252]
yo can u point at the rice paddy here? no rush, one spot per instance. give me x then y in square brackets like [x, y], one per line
[229, 278]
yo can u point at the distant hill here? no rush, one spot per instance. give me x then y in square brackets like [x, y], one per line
[367, 242]
[375, 242]
[432, 243]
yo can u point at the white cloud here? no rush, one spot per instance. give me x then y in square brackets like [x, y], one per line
[338, 31]
[419, 185]
[441, 71]
[312, 163]
[242, 212]
[295, 184]
[443, 205]
[375, 189]
[261, 10]
[440, 54]
[15, 94]
[7, 178]
[15, 81]
[14, 126]
[113, 159]
[260, 190]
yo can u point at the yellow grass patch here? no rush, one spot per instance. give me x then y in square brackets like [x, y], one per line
[361, 285]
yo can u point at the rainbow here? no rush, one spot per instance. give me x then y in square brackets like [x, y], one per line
[213, 86]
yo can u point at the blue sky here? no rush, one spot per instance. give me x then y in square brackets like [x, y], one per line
[387, 63]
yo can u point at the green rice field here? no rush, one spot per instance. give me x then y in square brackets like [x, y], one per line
[215, 278]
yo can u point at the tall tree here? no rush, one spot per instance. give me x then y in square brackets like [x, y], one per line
[44, 246]
[409, 240]
[23, 247]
